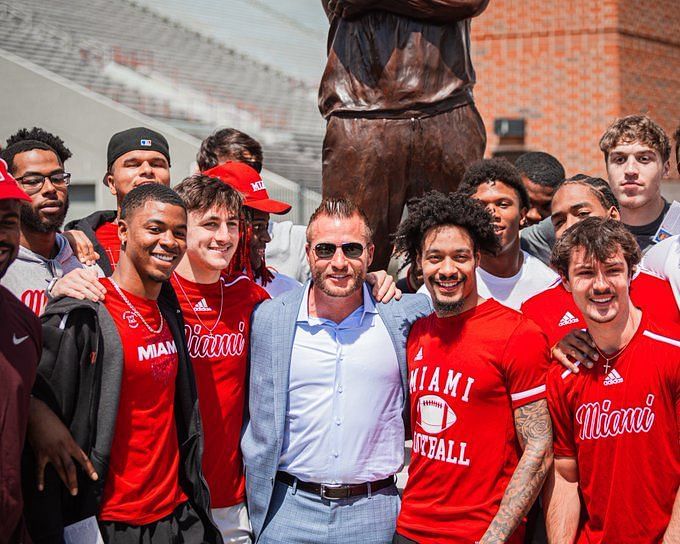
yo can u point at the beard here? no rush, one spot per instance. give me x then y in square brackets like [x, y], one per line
[31, 219]
[353, 285]
[448, 307]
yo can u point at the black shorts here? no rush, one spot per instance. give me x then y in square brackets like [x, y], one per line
[182, 526]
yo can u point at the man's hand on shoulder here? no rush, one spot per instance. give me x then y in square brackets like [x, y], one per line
[82, 247]
[81, 283]
[579, 345]
[383, 286]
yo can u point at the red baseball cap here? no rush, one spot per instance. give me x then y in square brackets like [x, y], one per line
[9, 188]
[248, 182]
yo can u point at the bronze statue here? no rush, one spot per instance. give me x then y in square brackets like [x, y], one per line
[397, 96]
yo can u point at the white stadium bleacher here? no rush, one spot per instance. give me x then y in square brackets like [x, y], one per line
[139, 57]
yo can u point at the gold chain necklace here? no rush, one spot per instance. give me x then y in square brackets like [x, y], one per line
[191, 304]
[134, 310]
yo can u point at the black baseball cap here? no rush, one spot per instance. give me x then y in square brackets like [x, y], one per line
[133, 139]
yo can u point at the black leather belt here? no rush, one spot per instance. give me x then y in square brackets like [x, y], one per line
[334, 491]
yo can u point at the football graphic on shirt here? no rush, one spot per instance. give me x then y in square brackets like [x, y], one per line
[434, 414]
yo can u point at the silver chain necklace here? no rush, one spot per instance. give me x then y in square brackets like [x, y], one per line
[191, 304]
[134, 310]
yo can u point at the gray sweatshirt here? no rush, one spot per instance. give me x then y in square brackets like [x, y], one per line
[28, 277]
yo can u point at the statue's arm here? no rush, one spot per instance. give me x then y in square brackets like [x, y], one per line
[436, 11]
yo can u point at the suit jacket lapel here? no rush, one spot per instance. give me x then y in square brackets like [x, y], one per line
[282, 349]
[394, 321]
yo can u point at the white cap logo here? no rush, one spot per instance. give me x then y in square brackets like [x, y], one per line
[258, 186]
[145, 143]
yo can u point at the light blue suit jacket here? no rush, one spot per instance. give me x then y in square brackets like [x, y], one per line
[271, 346]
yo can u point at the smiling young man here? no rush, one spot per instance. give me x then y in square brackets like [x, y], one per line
[257, 208]
[511, 275]
[637, 156]
[118, 374]
[617, 456]
[482, 443]
[285, 251]
[36, 159]
[554, 309]
[217, 313]
[135, 157]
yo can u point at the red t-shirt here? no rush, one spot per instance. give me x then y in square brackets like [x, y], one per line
[218, 345]
[142, 482]
[622, 428]
[467, 375]
[555, 311]
[107, 235]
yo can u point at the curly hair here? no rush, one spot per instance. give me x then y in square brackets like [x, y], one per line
[435, 209]
[601, 238]
[490, 170]
[636, 128]
[229, 144]
[36, 138]
[541, 168]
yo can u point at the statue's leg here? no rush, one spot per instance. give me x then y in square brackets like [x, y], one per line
[367, 160]
[444, 146]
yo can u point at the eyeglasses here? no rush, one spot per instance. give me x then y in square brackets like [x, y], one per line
[326, 250]
[33, 183]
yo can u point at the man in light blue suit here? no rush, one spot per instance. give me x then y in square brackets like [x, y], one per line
[328, 394]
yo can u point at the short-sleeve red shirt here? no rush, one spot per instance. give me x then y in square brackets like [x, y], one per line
[107, 236]
[620, 422]
[217, 329]
[555, 311]
[142, 484]
[467, 374]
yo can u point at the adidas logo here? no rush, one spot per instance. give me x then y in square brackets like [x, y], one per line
[202, 306]
[613, 378]
[568, 319]
[419, 355]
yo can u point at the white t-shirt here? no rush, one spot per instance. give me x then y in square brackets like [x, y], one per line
[532, 278]
[279, 285]
[664, 260]
[286, 251]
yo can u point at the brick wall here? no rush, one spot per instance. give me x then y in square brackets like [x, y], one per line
[570, 67]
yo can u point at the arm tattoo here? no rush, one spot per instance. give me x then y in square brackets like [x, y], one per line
[534, 432]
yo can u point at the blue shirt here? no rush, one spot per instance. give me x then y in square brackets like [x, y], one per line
[344, 413]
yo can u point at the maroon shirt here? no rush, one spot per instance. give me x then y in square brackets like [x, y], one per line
[20, 349]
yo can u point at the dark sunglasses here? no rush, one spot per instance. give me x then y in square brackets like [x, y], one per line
[326, 250]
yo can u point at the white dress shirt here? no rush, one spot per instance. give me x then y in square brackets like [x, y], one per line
[344, 415]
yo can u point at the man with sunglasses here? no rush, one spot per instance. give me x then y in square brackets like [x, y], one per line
[328, 380]
[36, 159]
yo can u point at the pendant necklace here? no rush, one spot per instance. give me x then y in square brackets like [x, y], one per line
[191, 304]
[607, 360]
[134, 310]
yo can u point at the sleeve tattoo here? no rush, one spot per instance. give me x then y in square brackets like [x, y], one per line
[534, 432]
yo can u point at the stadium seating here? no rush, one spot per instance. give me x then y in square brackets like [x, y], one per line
[81, 39]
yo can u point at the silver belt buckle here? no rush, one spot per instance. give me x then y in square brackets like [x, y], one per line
[324, 487]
